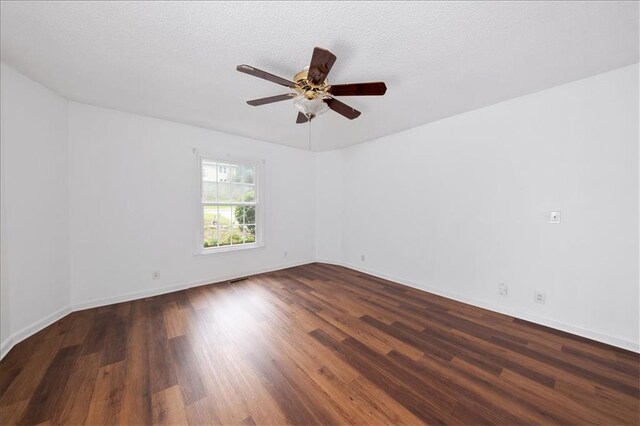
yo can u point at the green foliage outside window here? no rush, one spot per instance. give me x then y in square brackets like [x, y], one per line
[247, 214]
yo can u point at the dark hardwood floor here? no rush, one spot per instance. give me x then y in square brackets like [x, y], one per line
[315, 344]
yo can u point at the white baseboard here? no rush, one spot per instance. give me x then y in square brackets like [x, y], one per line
[94, 303]
[516, 313]
[30, 330]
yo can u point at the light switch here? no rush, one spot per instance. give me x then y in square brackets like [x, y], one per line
[554, 217]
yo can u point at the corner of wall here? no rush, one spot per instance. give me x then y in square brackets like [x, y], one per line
[26, 102]
[329, 205]
[5, 305]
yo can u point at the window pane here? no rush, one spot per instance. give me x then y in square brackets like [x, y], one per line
[249, 193]
[250, 215]
[235, 174]
[225, 224]
[209, 177]
[223, 172]
[223, 192]
[209, 171]
[237, 192]
[226, 216]
[236, 234]
[250, 234]
[210, 220]
[248, 173]
[209, 191]
[239, 213]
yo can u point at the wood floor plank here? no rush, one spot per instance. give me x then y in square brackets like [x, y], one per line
[33, 365]
[168, 407]
[135, 408]
[7, 376]
[77, 325]
[188, 373]
[314, 344]
[11, 413]
[96, 336]
[202, 412]
[80, 386]
[46, 397]
[106, 401]
[379, 404]
[262, 406]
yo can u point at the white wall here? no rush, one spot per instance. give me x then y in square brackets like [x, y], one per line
[460, 205]
[133, 190]
[35, 217]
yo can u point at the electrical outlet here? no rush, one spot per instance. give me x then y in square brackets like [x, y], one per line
[503, 289]
[285, 254]
[539, 297]
[155, 275]
[362, 257]
[554, 217]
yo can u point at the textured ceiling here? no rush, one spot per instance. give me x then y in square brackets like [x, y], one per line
[176, 60]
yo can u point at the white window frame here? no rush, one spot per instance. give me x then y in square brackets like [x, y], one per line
[259, 203]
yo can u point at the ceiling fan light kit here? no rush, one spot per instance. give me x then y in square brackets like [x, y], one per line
[310, 107]
[314, 95]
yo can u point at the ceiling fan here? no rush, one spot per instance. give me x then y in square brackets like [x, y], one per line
[313, 93]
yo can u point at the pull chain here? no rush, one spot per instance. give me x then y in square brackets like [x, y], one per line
[309, 133]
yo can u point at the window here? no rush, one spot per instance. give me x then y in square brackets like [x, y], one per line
[229, 205]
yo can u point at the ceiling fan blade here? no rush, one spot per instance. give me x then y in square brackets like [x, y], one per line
[342, 109]
[301, 118]
[270, 99]
[247, 69]
[359, 89]
[321, 63]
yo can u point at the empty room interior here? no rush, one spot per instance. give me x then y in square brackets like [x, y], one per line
[319, 213]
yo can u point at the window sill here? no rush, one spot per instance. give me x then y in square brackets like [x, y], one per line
[230, 248]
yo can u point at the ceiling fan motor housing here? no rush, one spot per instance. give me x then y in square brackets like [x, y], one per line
[307, 88]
